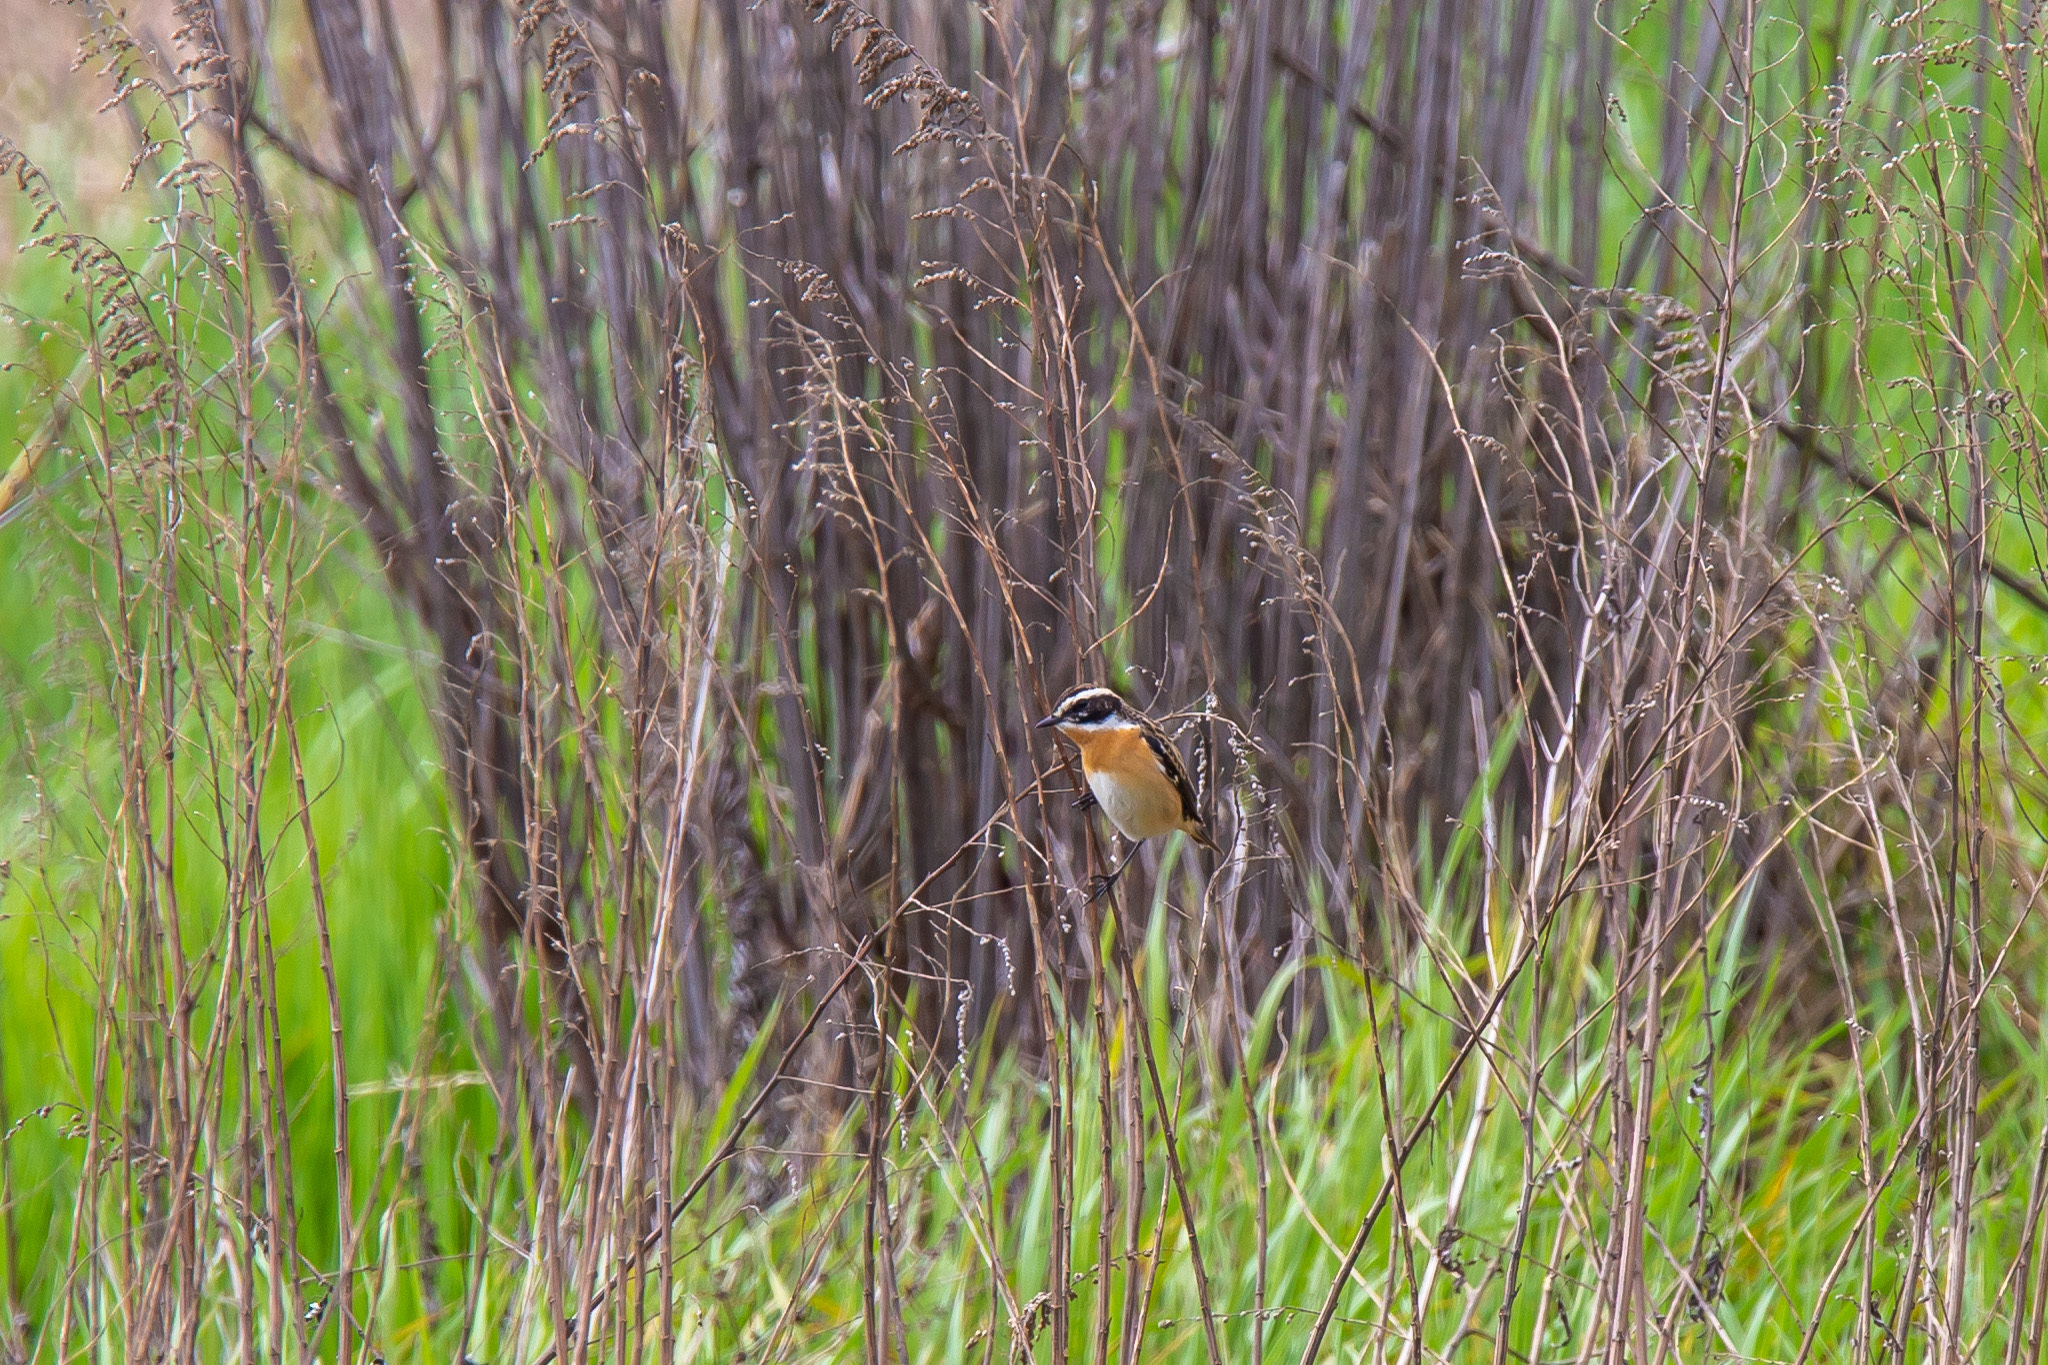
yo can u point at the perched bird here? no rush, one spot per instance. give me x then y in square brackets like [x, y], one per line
[1134, 773]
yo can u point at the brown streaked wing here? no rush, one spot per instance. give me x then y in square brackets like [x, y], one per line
[1169, 759]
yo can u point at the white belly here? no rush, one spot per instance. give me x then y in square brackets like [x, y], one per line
[1139, 810]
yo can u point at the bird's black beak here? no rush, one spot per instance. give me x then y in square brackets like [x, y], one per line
[1049, 720]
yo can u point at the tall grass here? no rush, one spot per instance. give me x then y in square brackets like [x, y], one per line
[543, 533]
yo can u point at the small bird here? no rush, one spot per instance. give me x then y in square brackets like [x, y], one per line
[1134, 773]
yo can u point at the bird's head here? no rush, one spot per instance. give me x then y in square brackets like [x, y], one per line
[1088, 711]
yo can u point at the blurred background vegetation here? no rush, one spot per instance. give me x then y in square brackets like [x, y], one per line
[534, 535]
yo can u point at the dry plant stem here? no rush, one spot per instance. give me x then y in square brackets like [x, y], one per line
[1237, 1019]
[1111, 1116]
[1419, 1130]
[1516, 1245]
[345, 1253]
[1171, 1141]
[19, 479]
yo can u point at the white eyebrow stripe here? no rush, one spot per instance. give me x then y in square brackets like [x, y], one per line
[1082, 694]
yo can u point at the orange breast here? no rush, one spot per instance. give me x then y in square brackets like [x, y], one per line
[1127, 781]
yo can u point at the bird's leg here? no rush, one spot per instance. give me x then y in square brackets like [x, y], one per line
[1099, 886]
[1086, 801]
